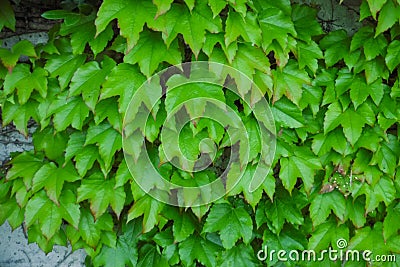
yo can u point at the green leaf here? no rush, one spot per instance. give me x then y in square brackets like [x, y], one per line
[123, 81]
[254, 197]
[370, 140]
[64, 66]
[217, 6]
[7, 17]
[73, 23]
[375, 69]
[322, 205]
[10, 57]
[25, 165]
[35, 235]
[302, 166]
[69, 16]
[375, 6]
[70, 210]
[171, 254]
[100, 41]
[212, 41]
[289, 239]
[387, 156]
[247, 27]
[283, 209]
[197, 248]
[41, 208]
[367, 113]
[150, 208]
[108, 140]
[382, 191]
[130, 26]
[52, 179]
[332, 117]
[305, 23]
[162, 6]
[239, 5]
[275, 25]
[308, 55]
[12, 212]
[392, 58]
[52, 144]
[335, 140]
[240, 255]
[125, 252]
[352, 123]
[192, 24]
[336, 45]
[22, 195]
[327, 234]
[183, 225]
[68, 111]
[353, 59]
[101, 193]
[180, 95]
[19, 114]
[311, 96]
[388, 16]
[355, 212]
[248, 59]
[287, 114]
[289, 82]
[365, 11]
[150, 51]
[91, 230]
[344, 81]
[108, 109]
[149, 255]
[215, 130]
[376, 91]
[87, 80]
[25, 81]
[194, 193]
[123, 174]
[232, 223]
[393, 215]
[190, 4]
[85, 156]
[372, 45]
[371, 239]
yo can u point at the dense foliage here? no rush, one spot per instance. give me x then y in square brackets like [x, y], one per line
[334, 97]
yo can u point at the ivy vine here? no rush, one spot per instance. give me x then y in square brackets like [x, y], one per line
[334, 98]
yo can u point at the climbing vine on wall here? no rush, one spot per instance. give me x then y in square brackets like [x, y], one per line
[334, 98]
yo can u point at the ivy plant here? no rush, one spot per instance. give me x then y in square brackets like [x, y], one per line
[334, 99]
